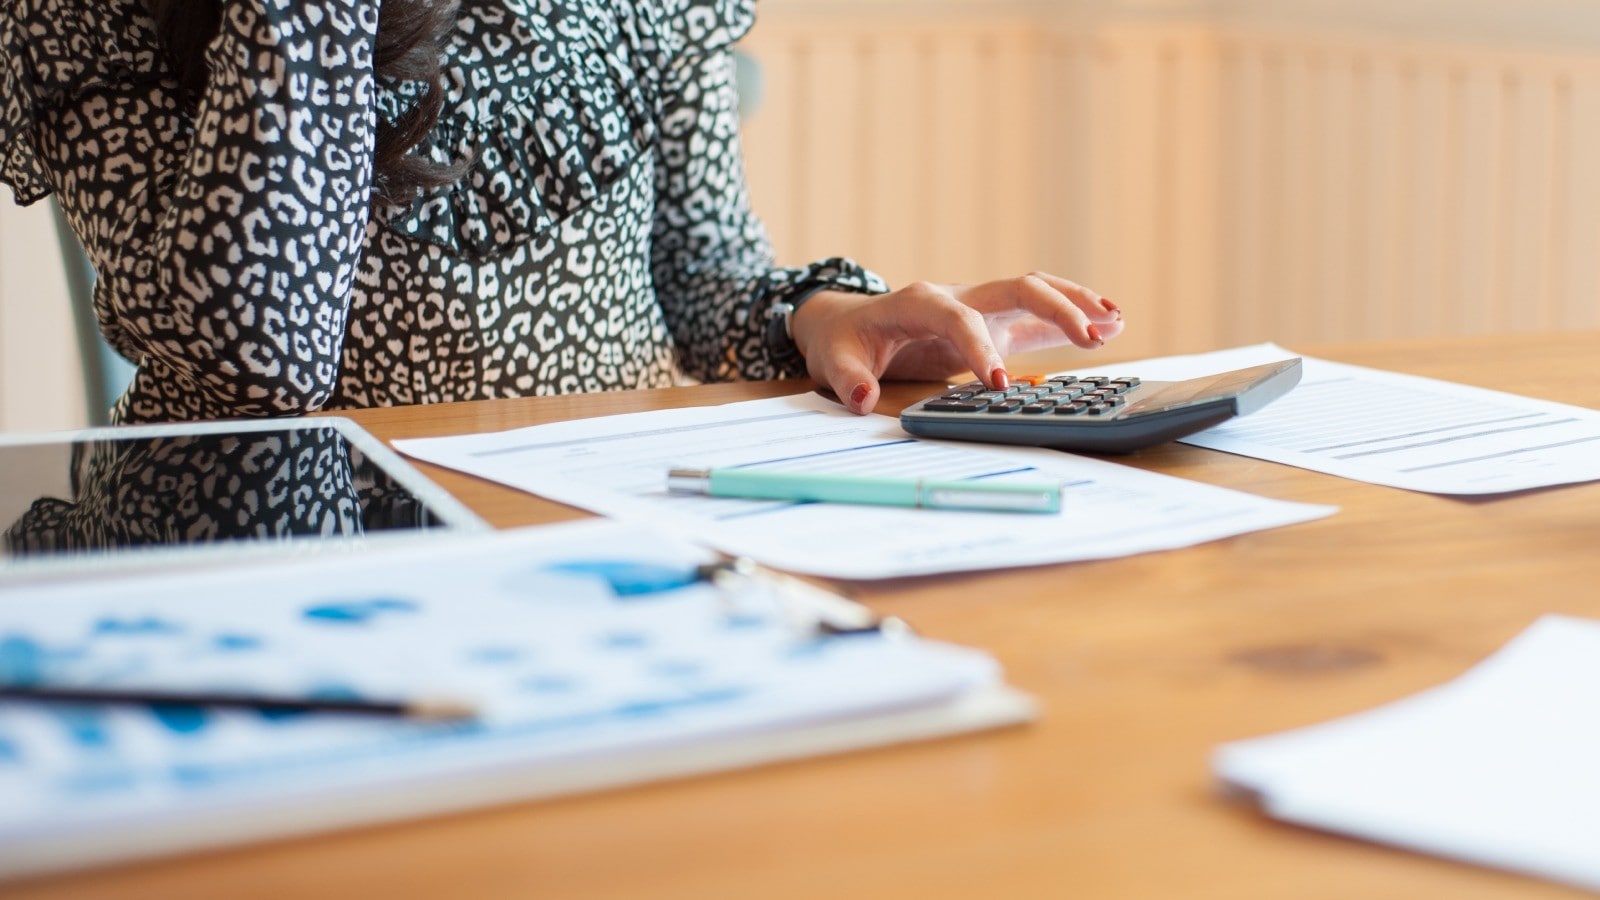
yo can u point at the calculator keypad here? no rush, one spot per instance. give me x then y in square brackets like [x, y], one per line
[1094, 413]
[1063, 395]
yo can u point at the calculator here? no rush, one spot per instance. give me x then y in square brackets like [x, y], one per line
[1097, 414]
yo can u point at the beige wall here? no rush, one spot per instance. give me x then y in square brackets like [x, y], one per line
[1228, 170]
[40, 385]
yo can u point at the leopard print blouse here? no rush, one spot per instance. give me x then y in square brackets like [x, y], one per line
[602, 238]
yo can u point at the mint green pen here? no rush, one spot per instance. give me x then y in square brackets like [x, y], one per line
[768, 484]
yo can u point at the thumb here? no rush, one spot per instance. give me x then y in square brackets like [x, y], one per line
[855, 385]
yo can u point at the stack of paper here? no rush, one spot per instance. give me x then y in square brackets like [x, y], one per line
[1398, 430]
[594, 651]
[1499, 767]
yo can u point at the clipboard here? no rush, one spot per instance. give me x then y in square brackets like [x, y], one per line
[763, 691]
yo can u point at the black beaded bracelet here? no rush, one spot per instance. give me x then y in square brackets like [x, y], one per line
[780, 326]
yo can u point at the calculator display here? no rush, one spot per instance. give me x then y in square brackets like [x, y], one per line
[1197, 390]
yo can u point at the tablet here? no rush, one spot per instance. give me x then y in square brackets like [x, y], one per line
[135, 496]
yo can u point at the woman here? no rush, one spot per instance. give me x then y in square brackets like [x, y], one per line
[301, 205]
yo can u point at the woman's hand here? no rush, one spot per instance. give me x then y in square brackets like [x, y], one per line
[928, 331]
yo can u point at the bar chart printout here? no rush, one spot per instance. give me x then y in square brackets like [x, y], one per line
[594, 653]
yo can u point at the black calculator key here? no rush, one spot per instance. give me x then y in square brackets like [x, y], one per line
[1115, 401]
[1006, 406]
[1099, 409]
[1071, 409]
[970, 387]
[957, 395]
[1069, 393]
[955, 406]
[1129, 381]
[1038, 407]
[1063, 379]
[1095, 380]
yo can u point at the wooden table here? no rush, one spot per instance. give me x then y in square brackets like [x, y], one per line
[1143, 665]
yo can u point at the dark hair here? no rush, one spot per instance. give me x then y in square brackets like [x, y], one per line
[407, 49]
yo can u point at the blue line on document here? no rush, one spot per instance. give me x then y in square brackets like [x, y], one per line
[783, 459]
[998, 474]
[631, 435]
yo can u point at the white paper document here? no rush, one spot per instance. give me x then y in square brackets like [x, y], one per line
[1500, 767]
[1398, 430]
[595, 651]
[617, 466]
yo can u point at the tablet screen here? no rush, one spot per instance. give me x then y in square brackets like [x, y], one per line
[123, 490]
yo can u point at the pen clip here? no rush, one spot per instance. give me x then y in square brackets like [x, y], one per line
[813, 610]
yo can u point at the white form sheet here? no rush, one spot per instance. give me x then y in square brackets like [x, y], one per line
[1397, 430]
[617, 466]
[1497, 767]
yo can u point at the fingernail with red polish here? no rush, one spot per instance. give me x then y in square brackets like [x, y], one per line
[1108, 306]
[998, 378]
[1094, 335]
[858, 397]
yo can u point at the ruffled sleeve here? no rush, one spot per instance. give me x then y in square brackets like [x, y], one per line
[19, 163]
[548, 117]
[676, 33]
[553, 109]
[715, 272]
[19, 166]
[51, 51]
